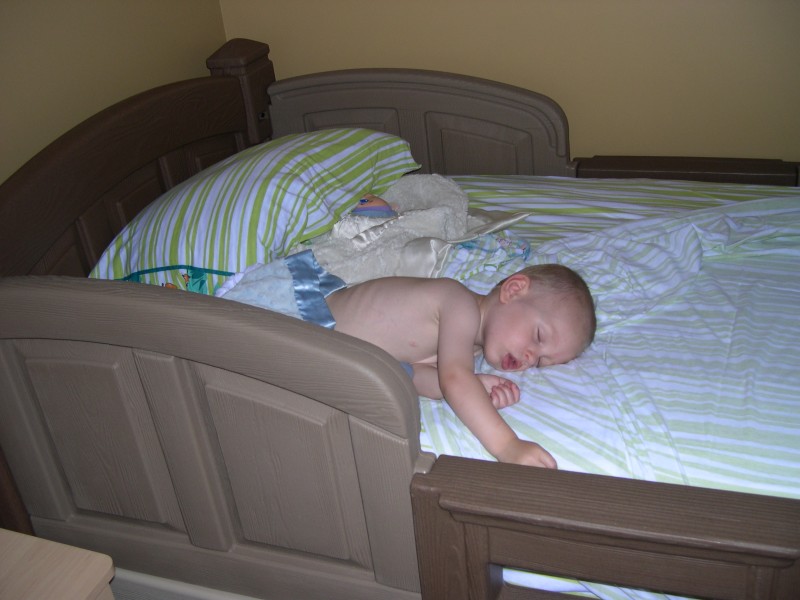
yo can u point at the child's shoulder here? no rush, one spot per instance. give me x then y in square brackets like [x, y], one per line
[449, 291]
[441, 284]
[397, 287]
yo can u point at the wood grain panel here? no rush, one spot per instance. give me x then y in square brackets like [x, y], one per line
[421, 98]
[175, 396]
[453, 140]
[179, 165]
[290, 465]
[380, 456]
[64, 257]
[97, 417]
[378, 119]
[26, 442]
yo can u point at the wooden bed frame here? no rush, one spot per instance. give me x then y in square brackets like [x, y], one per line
[226, 446]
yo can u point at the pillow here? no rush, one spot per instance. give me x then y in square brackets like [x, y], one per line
[253, 207]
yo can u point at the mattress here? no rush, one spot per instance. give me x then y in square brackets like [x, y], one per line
[693, 375]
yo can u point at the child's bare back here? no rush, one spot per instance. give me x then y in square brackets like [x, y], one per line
[402, 314]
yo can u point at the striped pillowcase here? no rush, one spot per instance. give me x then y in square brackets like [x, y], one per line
[253, 207]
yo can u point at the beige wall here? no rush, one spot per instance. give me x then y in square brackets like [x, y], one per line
[697, 77]
[62, 61]
[687, 77]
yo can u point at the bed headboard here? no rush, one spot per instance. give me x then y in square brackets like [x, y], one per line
[455, 124]
[112, 165]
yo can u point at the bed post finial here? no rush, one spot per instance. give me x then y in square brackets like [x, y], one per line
[249, 61]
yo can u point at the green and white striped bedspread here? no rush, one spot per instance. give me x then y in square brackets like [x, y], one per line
[561, 206]
[694, 375]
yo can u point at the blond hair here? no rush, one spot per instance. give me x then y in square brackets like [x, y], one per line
[561, 279]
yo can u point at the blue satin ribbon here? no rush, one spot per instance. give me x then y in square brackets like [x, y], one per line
[312, 284]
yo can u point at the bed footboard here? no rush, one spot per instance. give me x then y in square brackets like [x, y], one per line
[473, 517]
[208, 441]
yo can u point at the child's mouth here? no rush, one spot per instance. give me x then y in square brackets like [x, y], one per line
[509, 363]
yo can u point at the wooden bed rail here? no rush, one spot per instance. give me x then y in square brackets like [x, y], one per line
[760, 171]
[472, 518]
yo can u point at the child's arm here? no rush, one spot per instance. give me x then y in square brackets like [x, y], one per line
[502, 392]
[472, 405]
[465, 393]
[426, 380]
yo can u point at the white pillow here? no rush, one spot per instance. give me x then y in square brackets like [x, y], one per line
[253, 207]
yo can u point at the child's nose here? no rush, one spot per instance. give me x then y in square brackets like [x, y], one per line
[531, 357]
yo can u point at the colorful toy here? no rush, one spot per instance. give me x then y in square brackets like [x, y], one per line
[373, 206]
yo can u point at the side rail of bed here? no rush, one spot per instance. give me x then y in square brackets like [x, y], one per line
[759, 171]
[208, 441]
[472, 518]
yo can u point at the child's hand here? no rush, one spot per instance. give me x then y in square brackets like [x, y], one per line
[502, 391]
[527, 453]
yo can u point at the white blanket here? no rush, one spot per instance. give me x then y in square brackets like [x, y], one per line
[432, 217]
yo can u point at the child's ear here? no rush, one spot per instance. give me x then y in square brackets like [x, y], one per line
[514, 286]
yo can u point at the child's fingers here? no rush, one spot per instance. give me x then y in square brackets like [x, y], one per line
[548, 461]
[504, 395]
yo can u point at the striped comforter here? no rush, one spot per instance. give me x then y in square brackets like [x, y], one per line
[694, 376]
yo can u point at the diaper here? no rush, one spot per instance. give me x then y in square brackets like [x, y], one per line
[295, 285]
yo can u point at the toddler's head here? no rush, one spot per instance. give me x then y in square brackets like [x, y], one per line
[542, 315]
[569, 287]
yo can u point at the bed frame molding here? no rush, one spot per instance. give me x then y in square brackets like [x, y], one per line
[472, 518]
[761, 171]
[126, 431]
